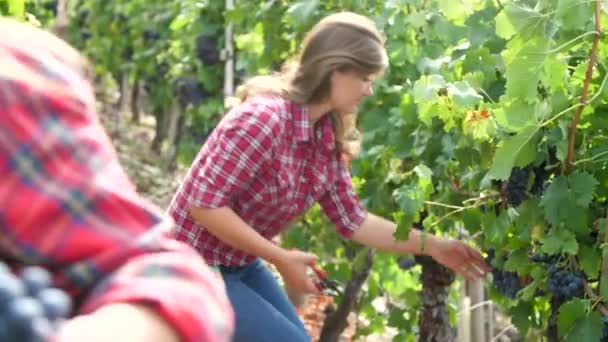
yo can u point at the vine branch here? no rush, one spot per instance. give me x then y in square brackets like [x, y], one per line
[583, 99]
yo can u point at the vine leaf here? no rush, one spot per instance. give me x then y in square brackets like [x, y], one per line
[561, 240]
[590, 260]
[574, 14]
[515, 18]
[569, 314]
[301, 12]
[515, 115]
[583, 186]
[463, 94]
[587, 329]
[517, 150]
[410, 199]
[426, 88]
[566, 200]
[524, 62]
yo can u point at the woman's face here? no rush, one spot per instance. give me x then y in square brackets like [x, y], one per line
[348, 89]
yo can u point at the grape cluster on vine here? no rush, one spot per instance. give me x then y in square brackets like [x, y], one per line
[30, 309]
[507, 283]
[565, 284]
[516, 190]
[516, 187]
[206, 49]
[190, 91]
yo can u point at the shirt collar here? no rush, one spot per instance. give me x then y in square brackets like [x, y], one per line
[301, 125]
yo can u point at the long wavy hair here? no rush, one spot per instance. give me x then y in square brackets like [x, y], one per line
[343, 41]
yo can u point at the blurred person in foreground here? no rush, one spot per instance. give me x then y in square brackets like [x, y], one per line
[66, 205]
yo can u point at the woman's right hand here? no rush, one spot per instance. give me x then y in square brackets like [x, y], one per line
[294, 267]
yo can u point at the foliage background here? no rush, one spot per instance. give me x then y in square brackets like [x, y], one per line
[475, 89]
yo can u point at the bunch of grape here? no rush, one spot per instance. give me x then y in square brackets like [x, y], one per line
[605, 330]
[544, 258]
[541, 174]
[150, 35]
[190, 91]
[516, 187]
[30, 309]
[206, 49]
[507, 283]
[565, 284]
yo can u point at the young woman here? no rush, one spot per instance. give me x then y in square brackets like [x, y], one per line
[271, 158]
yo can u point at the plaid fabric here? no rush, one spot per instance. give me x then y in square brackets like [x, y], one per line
[262, 162]
[66, 204]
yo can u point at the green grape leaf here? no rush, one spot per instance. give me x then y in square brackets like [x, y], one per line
[417, 20]
[552, 245]
[583, 186]
[556, 200]
[555, 73]
[480, 127]
[574, 14]
[515, 115]
[455, 9]
[560, 240]
[524, 61]
[16, 8]
[404, 224]
[463, 94]
[590, 260]
[426, 112]
[301, 12]
[566, 200]
[569, 314]
[517, 150]
[514, 18]
[426, 88]
[587, 329]
[520, 316]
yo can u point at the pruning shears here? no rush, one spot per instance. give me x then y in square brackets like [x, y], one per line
[324, 284]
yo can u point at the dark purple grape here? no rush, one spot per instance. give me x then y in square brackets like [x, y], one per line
[516, 186]
[35, 279]
[206, 49]
[408, 263]
[506, 282]
[190, 91]
[150, 35]
[10, 287]
[30, 310]
[56, 303]
[565, 284]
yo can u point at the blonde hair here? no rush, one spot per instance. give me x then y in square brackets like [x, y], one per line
[342, 41]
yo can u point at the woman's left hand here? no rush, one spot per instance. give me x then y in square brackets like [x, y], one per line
[460, 258]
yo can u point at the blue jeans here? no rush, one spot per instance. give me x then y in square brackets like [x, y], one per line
[263, 311]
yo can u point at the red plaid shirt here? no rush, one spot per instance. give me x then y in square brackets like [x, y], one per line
[262, 162]
[66, 204]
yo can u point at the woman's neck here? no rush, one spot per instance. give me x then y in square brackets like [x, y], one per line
[317, 110]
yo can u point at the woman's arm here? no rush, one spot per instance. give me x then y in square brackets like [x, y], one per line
[227, 226]
[379, 233]
[118, 322]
